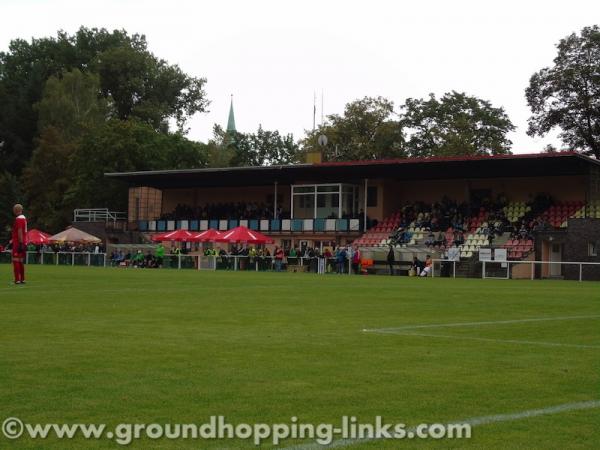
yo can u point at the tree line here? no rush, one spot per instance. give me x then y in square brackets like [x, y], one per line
[73, 107]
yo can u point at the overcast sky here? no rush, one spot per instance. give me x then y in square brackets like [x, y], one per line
[273, 55]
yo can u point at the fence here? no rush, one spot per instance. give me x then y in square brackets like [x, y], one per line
[581, 271]
[505, 270]
[197, 262]
[253, 263]
[60, 258]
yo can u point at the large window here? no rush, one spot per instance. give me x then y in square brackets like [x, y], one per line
[324, 201]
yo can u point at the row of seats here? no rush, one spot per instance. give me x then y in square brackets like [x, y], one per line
[518, 248]
[515, 211]
[593, 209]
[558, 214]
[476, 221]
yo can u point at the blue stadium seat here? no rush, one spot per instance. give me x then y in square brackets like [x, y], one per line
[143, 225]
[341, 225]
[214, 224]
[194, 225]
[253, 225]
[233, 223]
[161, 225]
[275, 225]
[297, 224]
[319, 225]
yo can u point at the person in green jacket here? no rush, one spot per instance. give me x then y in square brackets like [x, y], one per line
[159, 254]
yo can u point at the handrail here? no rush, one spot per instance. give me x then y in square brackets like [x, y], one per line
[98, 215]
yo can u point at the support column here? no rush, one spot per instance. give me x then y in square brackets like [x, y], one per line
[275, 203]
[365, 206]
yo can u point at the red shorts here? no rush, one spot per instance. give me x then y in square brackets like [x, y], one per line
[16, 254]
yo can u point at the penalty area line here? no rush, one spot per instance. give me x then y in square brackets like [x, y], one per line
[474, 324]
[473, 421]
[500, 341]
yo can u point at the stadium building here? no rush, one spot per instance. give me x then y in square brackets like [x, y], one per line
[555, 197]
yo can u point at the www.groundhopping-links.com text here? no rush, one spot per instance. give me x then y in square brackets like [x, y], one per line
[219, 428]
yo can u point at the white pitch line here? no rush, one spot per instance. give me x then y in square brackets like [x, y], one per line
[472, 324]
[500, 341]
[473, 421]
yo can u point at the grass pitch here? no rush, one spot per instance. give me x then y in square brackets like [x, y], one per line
[86, 345]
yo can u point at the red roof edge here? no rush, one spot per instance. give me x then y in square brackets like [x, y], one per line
[365, 162]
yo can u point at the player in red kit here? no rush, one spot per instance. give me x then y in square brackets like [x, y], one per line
[19, 244]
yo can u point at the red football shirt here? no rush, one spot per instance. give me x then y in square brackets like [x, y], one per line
[19, 224]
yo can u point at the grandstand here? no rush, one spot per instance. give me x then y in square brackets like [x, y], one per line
[524, 203]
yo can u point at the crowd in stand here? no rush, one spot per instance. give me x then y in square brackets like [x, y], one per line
[439, 217]
[239, 210]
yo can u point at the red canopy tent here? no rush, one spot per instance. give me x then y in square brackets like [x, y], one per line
[244, 235]
[37, 237]
[177, 235]
[210, 235]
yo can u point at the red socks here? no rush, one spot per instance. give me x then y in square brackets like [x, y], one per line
[19, 271]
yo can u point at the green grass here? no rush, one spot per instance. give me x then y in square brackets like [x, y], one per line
[149, 346]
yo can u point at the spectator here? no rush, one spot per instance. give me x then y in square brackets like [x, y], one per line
[341, 256]
[428, 267]
[160, 255]
[356, 261]
[440, 239]
[430, 239]
[391, 258]
[278, 258]
[416, 266]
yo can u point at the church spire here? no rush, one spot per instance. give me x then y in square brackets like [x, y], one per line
[231, 120]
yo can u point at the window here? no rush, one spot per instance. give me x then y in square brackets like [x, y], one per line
[593, 249]
[324, 201]
[371, 196]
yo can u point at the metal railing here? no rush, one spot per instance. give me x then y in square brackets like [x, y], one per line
[582, 270]
[60, 258]
[248, 263]
[197, 262]
[98, 215]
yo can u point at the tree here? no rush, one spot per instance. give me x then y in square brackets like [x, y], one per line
[455, 125]
[181, 153]
[251, 149]
[124, 146]
[366, 130]
[567, 95]
[10, 193]
[48, 180]
[264, 148]
[148, 88]
[141, 85]
[71, 103]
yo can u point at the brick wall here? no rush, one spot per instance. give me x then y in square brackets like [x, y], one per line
[580, 233]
